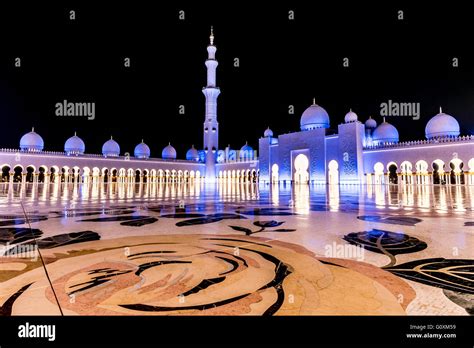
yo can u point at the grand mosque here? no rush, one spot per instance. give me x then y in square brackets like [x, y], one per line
[359, 153]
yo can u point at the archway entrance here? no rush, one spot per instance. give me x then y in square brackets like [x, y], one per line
[301, 175]
[41, 175]
[378, 177]
[30, 172]
[333, 175]
[470, 164]
[438, 172]
[392, 174]
[406, 168]
[18, 174]
[6, 173]
[275, 170]
[422, 177]
[137, 176]
[114, 175]
[457, 173]
[53, 172]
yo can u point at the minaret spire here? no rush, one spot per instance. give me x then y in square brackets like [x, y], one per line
[211, 126]
[211, 38]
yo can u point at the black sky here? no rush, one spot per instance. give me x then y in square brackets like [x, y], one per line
[282, 63]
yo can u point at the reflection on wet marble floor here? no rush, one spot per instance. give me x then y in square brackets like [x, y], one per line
[238, 249]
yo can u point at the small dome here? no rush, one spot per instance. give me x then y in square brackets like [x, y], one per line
[246, 151]
[314, 117]
[350, 117]
[385, 133]
[168, 152]
[442, 125]
[142, 150]
[31, 141]
[370, 123]
[110, 148]
[192, 154]
[74, 145]
[268, 133]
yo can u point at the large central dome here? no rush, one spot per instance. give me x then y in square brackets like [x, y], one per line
[314, 117]
[442, 125]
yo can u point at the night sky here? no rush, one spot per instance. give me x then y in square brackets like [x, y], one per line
[282, 62]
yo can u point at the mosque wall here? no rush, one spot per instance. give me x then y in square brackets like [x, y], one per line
[248, 170]
[332, 148]
[40, 159]
[350, 161]
[274, 158]
[93, 166]
[265, 158]
[291, 144]
[446, 152]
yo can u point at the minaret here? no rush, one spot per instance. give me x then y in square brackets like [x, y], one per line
[211, 127]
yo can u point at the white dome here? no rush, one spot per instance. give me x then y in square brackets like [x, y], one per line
[385, 133]
[192, 154]
[268, 133]
[74, 145]
[246, 151]
[314, 117]
[350, 117]
[31, 141]
[142, 150]
[246, 147]
[370, 123]
[110, 148]
[442, 125]
[168, 152]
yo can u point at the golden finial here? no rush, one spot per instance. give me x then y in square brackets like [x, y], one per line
[212, 35]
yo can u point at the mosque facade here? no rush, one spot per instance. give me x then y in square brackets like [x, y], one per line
[358, 153]
[366, 153]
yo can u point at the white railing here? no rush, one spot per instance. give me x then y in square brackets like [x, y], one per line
[90, 155]
[465, 138]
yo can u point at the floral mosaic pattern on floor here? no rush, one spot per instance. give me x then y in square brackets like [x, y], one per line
[243, 257]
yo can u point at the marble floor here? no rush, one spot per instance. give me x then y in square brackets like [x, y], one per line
[236, 249]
